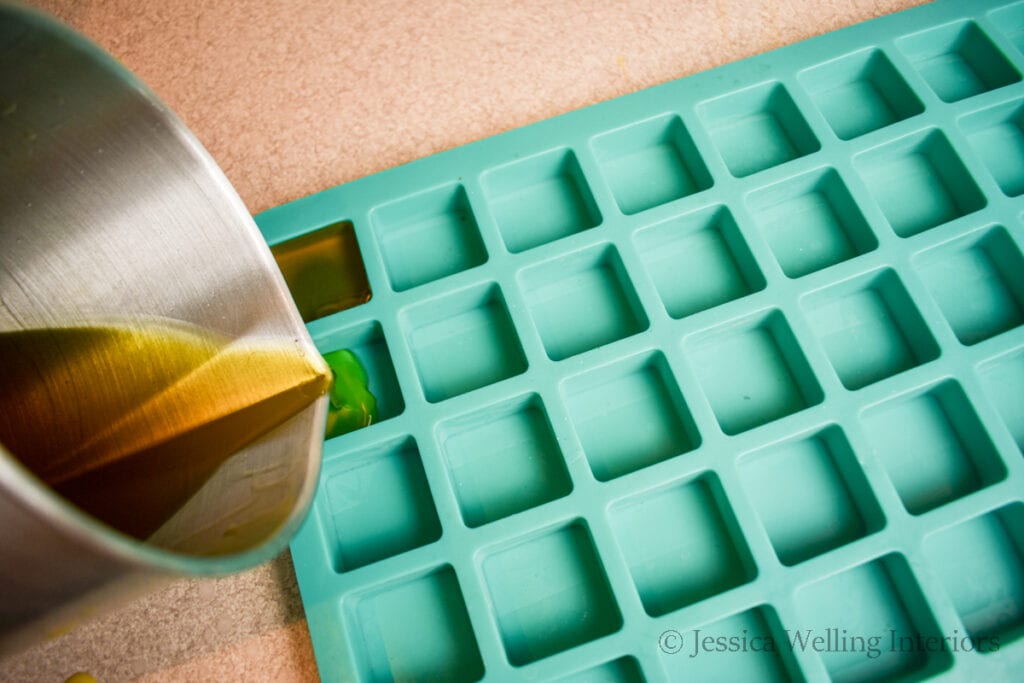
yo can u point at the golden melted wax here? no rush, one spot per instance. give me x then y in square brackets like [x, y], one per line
[128, 420]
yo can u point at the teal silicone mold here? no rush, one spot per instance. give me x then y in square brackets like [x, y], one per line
[735, 360]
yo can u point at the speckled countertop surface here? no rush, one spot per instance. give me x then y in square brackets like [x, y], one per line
[294, 96]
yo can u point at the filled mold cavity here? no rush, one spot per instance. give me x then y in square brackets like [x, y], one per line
[990, 546]
[377, 504]
[756, 650]
[753, 372]
[1002, 378]
[463, 341]
[757, 128]
[874, 617]
[324, 270]
[997, 135]
[977, 284]
[860, 93]
[629, 415]
[698, 261]
[624, 670]
[933, 447]
[540, 199]
[682, 544]
[582, 301]
[651, 163]
[811, 222]
[870, 328]
[919, 182]
[428, 236]
[414, 630]
[503, 459]
[810, 494]
[367, 343]
[549, 593]
[958, 60]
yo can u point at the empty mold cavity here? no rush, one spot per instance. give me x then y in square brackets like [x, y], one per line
[958, 60]
[369, 346]
[919, 182]
[324, 271]
[753, 372]
[539, 200]
[682, 544]
[1010, 20]
[997, 135]
[811, 222]
[503, 459]
[757, 128]
[698, 261]
[933, 447]
[870, 328]
[1003, 379]
[415, 630]
[977, 285]
[624, 670]
[462, 342]
[378, 504]
[629, 415]
[989, 548]
[750, 646]
[860, 93]
[582, 301]
[428, 236]
[867, 624]
[651, 163]
[810, 494]
[549, 593]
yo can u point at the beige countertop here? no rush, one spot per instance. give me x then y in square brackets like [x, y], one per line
[294, 96]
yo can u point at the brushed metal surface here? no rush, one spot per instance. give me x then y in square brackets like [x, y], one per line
[109, 207]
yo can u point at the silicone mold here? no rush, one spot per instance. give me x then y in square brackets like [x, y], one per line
[721, 380]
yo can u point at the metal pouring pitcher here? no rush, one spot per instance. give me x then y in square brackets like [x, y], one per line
[109, 207]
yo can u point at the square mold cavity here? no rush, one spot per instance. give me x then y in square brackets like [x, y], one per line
[977, 284]
[582, 301]
[919, 182]
[933, 447]
[324, 271]
[651, 163]
[378, 504]
[860, 93]
[997, 135]
[415, 630]
[629, 415]
[750, 646]
[810, 494]
[624, 670]
[811, 222]
[865, 624]
[549, 593]
[367, 343]
[1003, 378]
[539, 200]
[992, 547]
[682, 544]
[958, 60]
[462, 342]
[1010, 21]
[752, 372]
[870, 328]
[427, 236]
[757, 128]
[698, 261]
[503, 459]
